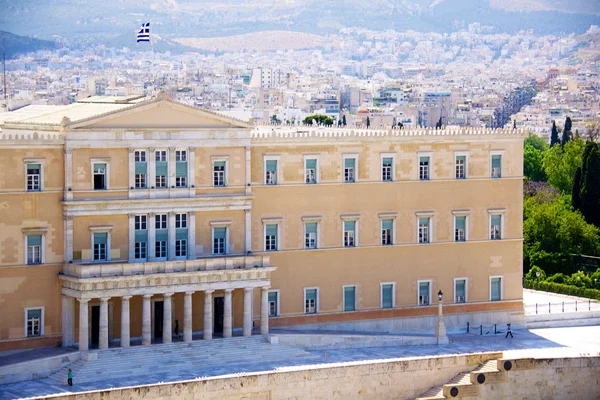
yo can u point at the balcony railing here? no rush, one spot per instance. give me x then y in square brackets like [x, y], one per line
[123, 268]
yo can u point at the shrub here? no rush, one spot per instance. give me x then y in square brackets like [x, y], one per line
[563, 289]
[580, 279]
[557, 278]
[532, 274]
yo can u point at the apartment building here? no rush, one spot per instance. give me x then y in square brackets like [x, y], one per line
[120, 221]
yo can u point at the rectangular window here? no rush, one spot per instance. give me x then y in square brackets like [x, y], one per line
[310, 170]
[271, 237]
[424, 168]
[100, 246]
[424, 230]
[180, 221]
[140, 181]
[424, 293]
[310, 302]
[460, 225]
[141, 169]
[310, 231]
[349, 233]
[181, 156]
[219, 238]
[387, 295]
[140, 250]
[100, 176]
[496, 166]
[140, 156]
[496, 289]
[34, 249]
[162, 169]
[160, 221]
[271, 172]
[181, 248]
[349, 298]
[181, 168]
[387, 227]
[140, 222]
[349, 170]
[181, 181]
[460, 167]
[34, 177]
[160, 249]
[495, 227]
[460, 294]
[219, 173]
[273, 304]
[34, 322]
[386, 169]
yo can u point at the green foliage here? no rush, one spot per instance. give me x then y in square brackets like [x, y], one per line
[566, 136]
[590, 184]
[560, 165]
[554, 135]
[534, 164]
[595, 277]
[563, 289]
[537, 142]
[552, 231]
[320, 118]
[532, 274]
[580, 279]
[557, 278]
[576, 196]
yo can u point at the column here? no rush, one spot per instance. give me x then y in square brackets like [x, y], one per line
[208, 317]
[167, 318]
[187, 317]
[248, 175]
[151, 237]
[172, 165]
[125, 333]
[171, 244]
[247, 330]
[104, 323]
[264, 311]
[83, 324]
[131, 238]
[191, 235]
[68, 308]
[131, 173]
[146, 321]
[227, 322]
[68, 174]
[248, 231]
[151, 169]
[68, 226]
[192, 171]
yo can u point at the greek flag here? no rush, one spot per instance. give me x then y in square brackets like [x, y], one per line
[143, 34]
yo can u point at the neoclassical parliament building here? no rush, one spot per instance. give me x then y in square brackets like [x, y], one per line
[123, 220]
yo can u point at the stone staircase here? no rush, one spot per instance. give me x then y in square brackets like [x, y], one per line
[466, 385]
[183, 360]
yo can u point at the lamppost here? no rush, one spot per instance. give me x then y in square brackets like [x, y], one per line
[440, 331]
[537, 274]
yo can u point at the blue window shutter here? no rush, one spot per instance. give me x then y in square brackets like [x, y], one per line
[181, 234]
[141, 236]
[162, 168]
[387, 295]
[349, 298]
[311, 164]
[100, 238]
[31, 167]
[387, 160]
[162, 235]
[272, 165]
[271, 230]
[311, 227]
[311, 294]
[273, 296]
[181, 169]
[141, 168]
[460, 288]
[387, 224]
[496, 161]
[219, 164]
[461, 158]
[460, 223]
[219, 233]
[34, 240]
[349, 162]
[349, 225]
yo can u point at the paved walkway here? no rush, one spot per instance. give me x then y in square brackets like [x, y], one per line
[536, 343]
[558, 302]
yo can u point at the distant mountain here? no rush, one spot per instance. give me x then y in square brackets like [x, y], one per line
[101, 22]
[15, 44]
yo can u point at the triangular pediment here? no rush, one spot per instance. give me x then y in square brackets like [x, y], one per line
[160, 114]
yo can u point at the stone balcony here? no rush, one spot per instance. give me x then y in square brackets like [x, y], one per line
[89, 269]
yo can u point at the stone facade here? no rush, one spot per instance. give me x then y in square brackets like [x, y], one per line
[120, 221]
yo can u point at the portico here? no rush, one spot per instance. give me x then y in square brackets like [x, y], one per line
[191, 284]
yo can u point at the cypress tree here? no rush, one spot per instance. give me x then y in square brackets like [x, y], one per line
[554, 136]
[566, 136]
[344, 120]
[576, 194]
[590, 184]
[368, 121]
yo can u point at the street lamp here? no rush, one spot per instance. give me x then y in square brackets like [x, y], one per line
[537, 274]
[440, 332]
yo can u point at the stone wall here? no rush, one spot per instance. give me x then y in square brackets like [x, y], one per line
[400, 379]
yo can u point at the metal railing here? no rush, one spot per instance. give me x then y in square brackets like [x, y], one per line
[483, 329]
[564, 306]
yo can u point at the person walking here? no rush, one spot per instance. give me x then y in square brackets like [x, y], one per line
[70, 377]
[176, 330]
[508, 332]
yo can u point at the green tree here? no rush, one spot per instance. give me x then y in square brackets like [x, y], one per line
[558, 278]
[590, 184]
[532, 274]
[537, 142]
[566, 136]
[320, 118]
[576, 195]
[580, 279]
[560, 165]
[552, 231]
[534, 164]
[554, 136]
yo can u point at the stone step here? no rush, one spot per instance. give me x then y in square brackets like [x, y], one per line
[488, 372]
[460, 386]
[435, 393]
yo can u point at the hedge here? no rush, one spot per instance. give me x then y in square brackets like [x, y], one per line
[563, 289]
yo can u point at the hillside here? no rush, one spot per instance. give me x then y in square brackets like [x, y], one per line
[15, 44]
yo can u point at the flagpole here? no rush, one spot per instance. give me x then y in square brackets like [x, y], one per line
[150, 37]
